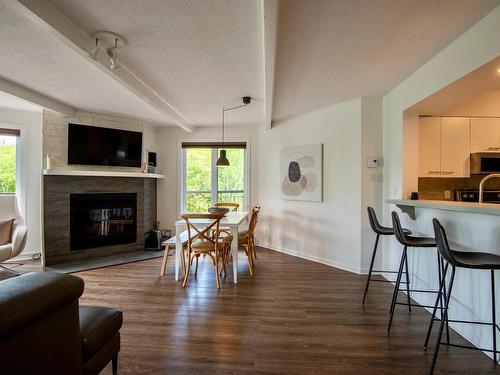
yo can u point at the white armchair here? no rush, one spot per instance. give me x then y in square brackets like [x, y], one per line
[9, 210]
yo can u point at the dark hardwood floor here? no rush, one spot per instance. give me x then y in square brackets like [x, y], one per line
[293, 317]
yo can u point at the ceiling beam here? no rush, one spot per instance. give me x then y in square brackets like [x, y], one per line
[270, 12]
[72, 36]
[35, 97]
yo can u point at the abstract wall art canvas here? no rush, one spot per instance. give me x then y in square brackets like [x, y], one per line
[302, 173]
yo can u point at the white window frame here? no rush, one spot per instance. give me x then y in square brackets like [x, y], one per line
[21, 165]
[182, 171]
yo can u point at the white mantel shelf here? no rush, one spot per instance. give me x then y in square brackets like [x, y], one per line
[74, 172]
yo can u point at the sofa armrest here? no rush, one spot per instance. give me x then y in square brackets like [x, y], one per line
[18, 239]
[29, 297]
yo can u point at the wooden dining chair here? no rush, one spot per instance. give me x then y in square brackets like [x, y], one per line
[232, 206]
[201, 241]
[246, 239]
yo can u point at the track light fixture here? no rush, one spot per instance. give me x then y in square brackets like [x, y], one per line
[109, 42]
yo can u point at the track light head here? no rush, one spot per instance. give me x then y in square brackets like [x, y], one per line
[109, 42]
[113, 57]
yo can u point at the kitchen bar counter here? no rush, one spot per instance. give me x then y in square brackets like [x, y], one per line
[469, 227]
[409, 206]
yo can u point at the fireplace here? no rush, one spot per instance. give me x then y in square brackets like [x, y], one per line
[98, 220]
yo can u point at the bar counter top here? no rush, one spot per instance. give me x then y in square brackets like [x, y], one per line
[466, 207]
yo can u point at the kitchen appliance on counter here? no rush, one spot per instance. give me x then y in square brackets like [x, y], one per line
[490, 196]
[485, 162]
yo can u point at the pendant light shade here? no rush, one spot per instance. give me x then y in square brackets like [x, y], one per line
[222, 160]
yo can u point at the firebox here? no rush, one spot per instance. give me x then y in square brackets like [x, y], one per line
[102, 220]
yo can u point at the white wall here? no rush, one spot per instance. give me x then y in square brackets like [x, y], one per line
[474, 48]
[169, 152]
[29, 196]
[372, 178]
[330, 231]
[336, 231]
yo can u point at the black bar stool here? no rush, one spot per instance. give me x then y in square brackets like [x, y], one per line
[460, 259]
[380, 231]
[409, 241]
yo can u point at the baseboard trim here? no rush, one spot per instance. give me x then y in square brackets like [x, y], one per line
[298, 254]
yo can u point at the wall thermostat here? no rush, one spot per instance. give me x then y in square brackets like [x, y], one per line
[372, 163]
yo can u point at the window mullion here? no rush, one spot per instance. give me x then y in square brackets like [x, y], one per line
[215, 176]
[183, 180]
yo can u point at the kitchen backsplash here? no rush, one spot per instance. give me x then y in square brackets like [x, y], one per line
[434, 188]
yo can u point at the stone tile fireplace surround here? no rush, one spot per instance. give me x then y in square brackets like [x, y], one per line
[56, 199]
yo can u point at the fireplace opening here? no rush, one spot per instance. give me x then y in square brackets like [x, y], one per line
[98, 220]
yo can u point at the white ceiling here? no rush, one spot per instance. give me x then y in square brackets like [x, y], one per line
[200, 55]
[331, 51]
[36, 59]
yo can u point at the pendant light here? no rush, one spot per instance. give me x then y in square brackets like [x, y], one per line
[222, 161]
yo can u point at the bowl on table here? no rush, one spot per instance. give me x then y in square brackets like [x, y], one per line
[218, 210]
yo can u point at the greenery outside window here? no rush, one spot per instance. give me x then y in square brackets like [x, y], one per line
[9, 139]
[204, 184]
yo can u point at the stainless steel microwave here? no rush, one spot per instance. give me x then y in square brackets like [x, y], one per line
[484, 162]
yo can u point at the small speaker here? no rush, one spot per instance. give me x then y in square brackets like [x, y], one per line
[151, 159]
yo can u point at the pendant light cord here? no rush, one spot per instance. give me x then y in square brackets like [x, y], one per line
[229, 109]
[223, 125]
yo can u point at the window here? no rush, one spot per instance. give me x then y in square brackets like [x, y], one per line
[204, 184]
[8, 155]
[198, 179]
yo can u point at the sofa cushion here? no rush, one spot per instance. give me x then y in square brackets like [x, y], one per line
[98, 325]
[6, 231]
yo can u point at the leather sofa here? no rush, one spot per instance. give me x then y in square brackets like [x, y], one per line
[43, 330]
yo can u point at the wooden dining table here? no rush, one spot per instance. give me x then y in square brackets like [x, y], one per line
[232, 220]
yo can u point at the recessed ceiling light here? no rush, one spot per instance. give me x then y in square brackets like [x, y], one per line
[498, 70]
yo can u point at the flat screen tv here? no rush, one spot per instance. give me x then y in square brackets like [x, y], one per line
[91, 145]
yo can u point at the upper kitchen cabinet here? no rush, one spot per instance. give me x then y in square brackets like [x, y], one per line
[444, 147]
[429, 147]
[485, 134]
[455, 147]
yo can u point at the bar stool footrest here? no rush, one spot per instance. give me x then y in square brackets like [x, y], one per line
[416, 305]
[469, 322]
[389, 281]
[419, 290]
